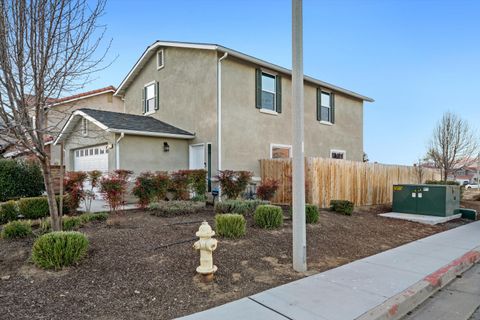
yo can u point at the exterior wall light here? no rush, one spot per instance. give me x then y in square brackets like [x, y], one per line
[166, 147]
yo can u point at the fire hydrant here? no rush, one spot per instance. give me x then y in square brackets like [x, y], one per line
[206, 245]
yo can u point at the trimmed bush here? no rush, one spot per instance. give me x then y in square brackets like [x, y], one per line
[175, 208]
[113, 190]
[266, 190]
[88, 217]
[17, 229]
[198, 181]
[144, 189]
[268, 216]
[20, 179]
[311, 213]
[59, 249]
[230, 225]
[8, 212]
[233, 183]
[243, 207]
[162, 182]
[33, 208]
[342, 206]
[71, 223]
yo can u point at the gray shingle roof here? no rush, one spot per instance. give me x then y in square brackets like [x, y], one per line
[124, 121]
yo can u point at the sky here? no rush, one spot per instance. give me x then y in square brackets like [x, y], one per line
[417, 59]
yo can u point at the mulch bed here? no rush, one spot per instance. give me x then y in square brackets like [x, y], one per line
[143, 267]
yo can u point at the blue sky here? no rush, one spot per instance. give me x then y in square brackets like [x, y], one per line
[417, 59]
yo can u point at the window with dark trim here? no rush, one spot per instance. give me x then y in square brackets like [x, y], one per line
[325, 106]
[268, 91]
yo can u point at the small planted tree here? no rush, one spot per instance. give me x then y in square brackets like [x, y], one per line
[179, 184]
[113, 189]
[266, 190]
[74, 191]
[144, 189]
[233, 183]
[161, 182]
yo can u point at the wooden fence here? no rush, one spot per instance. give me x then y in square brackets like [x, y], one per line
[330, 179]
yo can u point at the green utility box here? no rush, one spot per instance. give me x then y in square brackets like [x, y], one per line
[426, 199]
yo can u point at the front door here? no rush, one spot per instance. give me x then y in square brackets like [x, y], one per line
[197, 156]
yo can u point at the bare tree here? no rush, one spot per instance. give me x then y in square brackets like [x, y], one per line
[47, 48]
[453, 145]
[419, 171]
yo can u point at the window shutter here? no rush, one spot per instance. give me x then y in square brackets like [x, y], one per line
[157, 96]
[278, 93]
[144, 101]
[319, 105]
[258, 89]
[332, 107]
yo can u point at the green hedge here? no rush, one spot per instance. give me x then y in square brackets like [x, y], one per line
[311, 213]
[230, 225]
[59, 249]
[17, 229]
[243, 207]
[175, 208]
[20, 179]
[33, 208]
[342, 206]
[73, 222]
[8, 212]
[268, 216]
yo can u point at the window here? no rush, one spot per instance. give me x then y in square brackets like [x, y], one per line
[77, 153]
[325, 106]
[160, 59]
[96, 151]
[150, 98]
[338, 154]
[268, 92]
[84, 127]
[279, 151]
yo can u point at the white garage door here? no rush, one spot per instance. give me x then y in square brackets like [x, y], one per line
[91, 158]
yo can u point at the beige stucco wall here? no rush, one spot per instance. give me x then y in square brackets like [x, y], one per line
[59, 114]
[248, 133]
[95, 136]
[140, 154]
[187, 85]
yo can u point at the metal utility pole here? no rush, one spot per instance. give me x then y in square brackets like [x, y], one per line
[298, 179]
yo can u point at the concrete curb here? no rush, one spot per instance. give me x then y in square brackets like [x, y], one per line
[399, 305]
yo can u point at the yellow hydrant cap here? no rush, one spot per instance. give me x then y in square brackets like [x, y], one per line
[205, 230]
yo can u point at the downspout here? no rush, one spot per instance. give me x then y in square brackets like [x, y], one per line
[117, 151]
[219, 119]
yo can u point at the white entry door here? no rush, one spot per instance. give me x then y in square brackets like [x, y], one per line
[91, 158]
[197, 156]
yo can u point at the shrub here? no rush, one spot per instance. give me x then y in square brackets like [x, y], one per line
[20, 179]
[311, 213]
[59, 249]
[198, 181]
[88, 217]
[144, 189]
[8, 212]
[179, 184]
[266, 190]
[33, 208]
[73, 184]
[17, 229]
[243, 207]
[230, 225]
[161, 184]
[113, 191]
[123, 174]
[201, 198]
[71, 223]
[268, 216]
[233, 183]
[174, 208]
[342, 206]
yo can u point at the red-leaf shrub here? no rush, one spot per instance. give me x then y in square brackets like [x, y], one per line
[179, 184]
[266, 190]
[123, 174]
[73, 183]
[144, 189]
[198, 181]
[233, 183]
[161, 184]
[113, 190]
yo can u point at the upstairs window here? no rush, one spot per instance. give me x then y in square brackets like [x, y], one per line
[337, 154]
[325, 106]
[150, 98]
[268, 92]
[280, 151]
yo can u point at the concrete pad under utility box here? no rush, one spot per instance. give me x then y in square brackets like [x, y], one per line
[431, 220]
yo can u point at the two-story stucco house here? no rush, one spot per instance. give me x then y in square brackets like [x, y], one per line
[191, 105]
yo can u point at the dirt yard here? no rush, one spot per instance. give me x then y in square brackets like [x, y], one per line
[144, 266]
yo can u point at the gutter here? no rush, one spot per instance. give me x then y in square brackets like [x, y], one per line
[219, 117]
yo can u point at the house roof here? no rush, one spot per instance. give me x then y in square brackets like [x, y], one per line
[117, 122]
[150, 51]
[83, 95]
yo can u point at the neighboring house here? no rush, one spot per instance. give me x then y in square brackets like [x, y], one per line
[60, 110]
[174, 95]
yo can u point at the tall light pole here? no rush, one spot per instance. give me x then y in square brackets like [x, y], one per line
[298, 179]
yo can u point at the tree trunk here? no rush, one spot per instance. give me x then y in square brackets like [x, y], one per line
[52, 202]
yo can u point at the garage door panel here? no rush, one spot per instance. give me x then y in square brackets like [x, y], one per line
[91, 158]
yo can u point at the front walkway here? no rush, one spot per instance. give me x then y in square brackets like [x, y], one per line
[363, 288]
[99, 205]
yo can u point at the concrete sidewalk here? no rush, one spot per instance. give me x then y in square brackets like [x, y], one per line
[383, 286]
